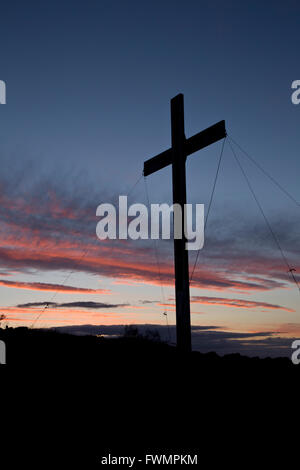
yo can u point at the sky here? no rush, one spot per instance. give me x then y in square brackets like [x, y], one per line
[88, 89]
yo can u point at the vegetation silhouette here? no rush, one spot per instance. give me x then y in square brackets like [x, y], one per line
[48, 347]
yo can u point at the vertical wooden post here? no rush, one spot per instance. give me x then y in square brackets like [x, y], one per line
[182, 288]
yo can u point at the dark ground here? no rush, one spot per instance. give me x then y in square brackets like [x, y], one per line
[72, 399]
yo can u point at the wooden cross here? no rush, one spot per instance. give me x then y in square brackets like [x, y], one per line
[176, 156]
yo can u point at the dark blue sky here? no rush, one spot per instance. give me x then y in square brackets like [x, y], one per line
[88, 91]
[89, 83]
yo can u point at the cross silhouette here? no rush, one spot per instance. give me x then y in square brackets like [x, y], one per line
[176, 156]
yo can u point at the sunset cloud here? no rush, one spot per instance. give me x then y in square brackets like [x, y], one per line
[238, 303]
[42, 286]
[55, 230]
[84, 304]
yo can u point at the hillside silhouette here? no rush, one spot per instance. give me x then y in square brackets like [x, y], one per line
[45, 347]
[134, 395]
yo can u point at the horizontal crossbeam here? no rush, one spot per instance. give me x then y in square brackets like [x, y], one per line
[199, 141]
